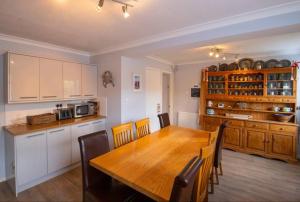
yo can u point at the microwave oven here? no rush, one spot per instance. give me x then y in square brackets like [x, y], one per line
[83, 109]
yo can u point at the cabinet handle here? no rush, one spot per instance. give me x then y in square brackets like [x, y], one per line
[55, 131]
[74, 95]
[83, 125]
[49, 96]
[98, 122]
[280, 128]
[31, 136]
[27, 97]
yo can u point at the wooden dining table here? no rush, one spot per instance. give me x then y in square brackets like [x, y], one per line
[150, 164]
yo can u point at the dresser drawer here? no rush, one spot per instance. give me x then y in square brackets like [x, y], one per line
[257, 125]
[212, 120]
[283, 128]
[234, 122]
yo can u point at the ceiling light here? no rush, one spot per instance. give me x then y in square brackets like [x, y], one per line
[211, 53]
[224, 58]
[125, 11]
[217, 55]
[100, 5]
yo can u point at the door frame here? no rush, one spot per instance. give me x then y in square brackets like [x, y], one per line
[171, 89]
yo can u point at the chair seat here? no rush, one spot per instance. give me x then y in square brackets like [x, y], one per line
[116, 192]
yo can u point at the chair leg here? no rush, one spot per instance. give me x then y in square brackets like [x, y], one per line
[216, 173]
[212, 181]
[221, 170]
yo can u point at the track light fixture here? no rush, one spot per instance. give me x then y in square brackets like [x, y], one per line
[124, 6]
[100, 5]
[125, 12]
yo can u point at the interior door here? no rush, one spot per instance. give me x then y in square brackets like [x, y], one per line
[153, 89]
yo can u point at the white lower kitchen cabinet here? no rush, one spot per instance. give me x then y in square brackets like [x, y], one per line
[36, 157]
[77, 131]
[31, 153]
[59, 148]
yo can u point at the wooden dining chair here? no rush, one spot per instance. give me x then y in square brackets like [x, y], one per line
[213, 136]
[142, 127]
[164, 120]
[122, 134]
[97, 186]
[207, 154]
[218, 152]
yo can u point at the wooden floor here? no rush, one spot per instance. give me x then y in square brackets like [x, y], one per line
[246, 178]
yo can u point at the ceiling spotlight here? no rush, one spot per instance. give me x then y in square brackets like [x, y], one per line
[100, 5]
[224, 58]
[217, 55]
[211, 53]
[125, 11]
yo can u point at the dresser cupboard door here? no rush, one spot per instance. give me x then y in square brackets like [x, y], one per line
[232, 137]
[282, 144]
[72, 80]
[77, 131]
[23, 78]
[89, 81]
[51, 80]
[31, 157]
[255, 140]
[59, 148]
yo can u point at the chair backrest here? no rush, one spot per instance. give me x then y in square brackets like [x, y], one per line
[142, 127]
[219, 143]
[183, 188]
[213, 136]
[164, 120]
[91, 146]
[207, 154]
[122, 134]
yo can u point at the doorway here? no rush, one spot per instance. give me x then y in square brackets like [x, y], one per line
[165, 93]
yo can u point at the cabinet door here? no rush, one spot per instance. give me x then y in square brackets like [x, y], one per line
[282, 144]
[77, 131]
[97, 126]
[31, 155]
[255, 140]
[51, 80]
[89, 81]
[232, 137]
[59, 148]
[211, 123]
[72, 80]
[23, 78]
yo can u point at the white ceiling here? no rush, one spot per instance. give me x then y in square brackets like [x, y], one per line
[76, 24]
[284, 44]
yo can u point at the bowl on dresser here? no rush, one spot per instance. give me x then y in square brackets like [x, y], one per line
[283, 117]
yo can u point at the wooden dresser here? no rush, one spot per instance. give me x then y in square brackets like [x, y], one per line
[260, 134]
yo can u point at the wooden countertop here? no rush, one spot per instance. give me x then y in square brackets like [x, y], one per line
[263, 121]
[22, 129]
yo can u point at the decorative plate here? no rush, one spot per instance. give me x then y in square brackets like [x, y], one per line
[271, 63]
[285, 63]
[223, 67]
[245, 63]
[259, 64]
[233, 66]
[212, 68]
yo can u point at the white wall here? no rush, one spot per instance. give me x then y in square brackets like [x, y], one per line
[16, 112]
[133, 102]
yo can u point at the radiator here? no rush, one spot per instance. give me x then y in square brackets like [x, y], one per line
[188, 120]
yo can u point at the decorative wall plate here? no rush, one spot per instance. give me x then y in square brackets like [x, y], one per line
[271, 63]
[246, 63]
[223, 67]
[212, 68]
[233, 66]
[285, 63]
[259, 64]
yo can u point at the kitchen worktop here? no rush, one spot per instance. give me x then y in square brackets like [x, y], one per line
[21, 129]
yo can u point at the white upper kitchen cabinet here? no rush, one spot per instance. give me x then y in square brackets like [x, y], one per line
[23, 78]
[72, 80]
[89, 81]
[51, 80]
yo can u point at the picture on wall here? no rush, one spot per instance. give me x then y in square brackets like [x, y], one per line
[137, 82]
